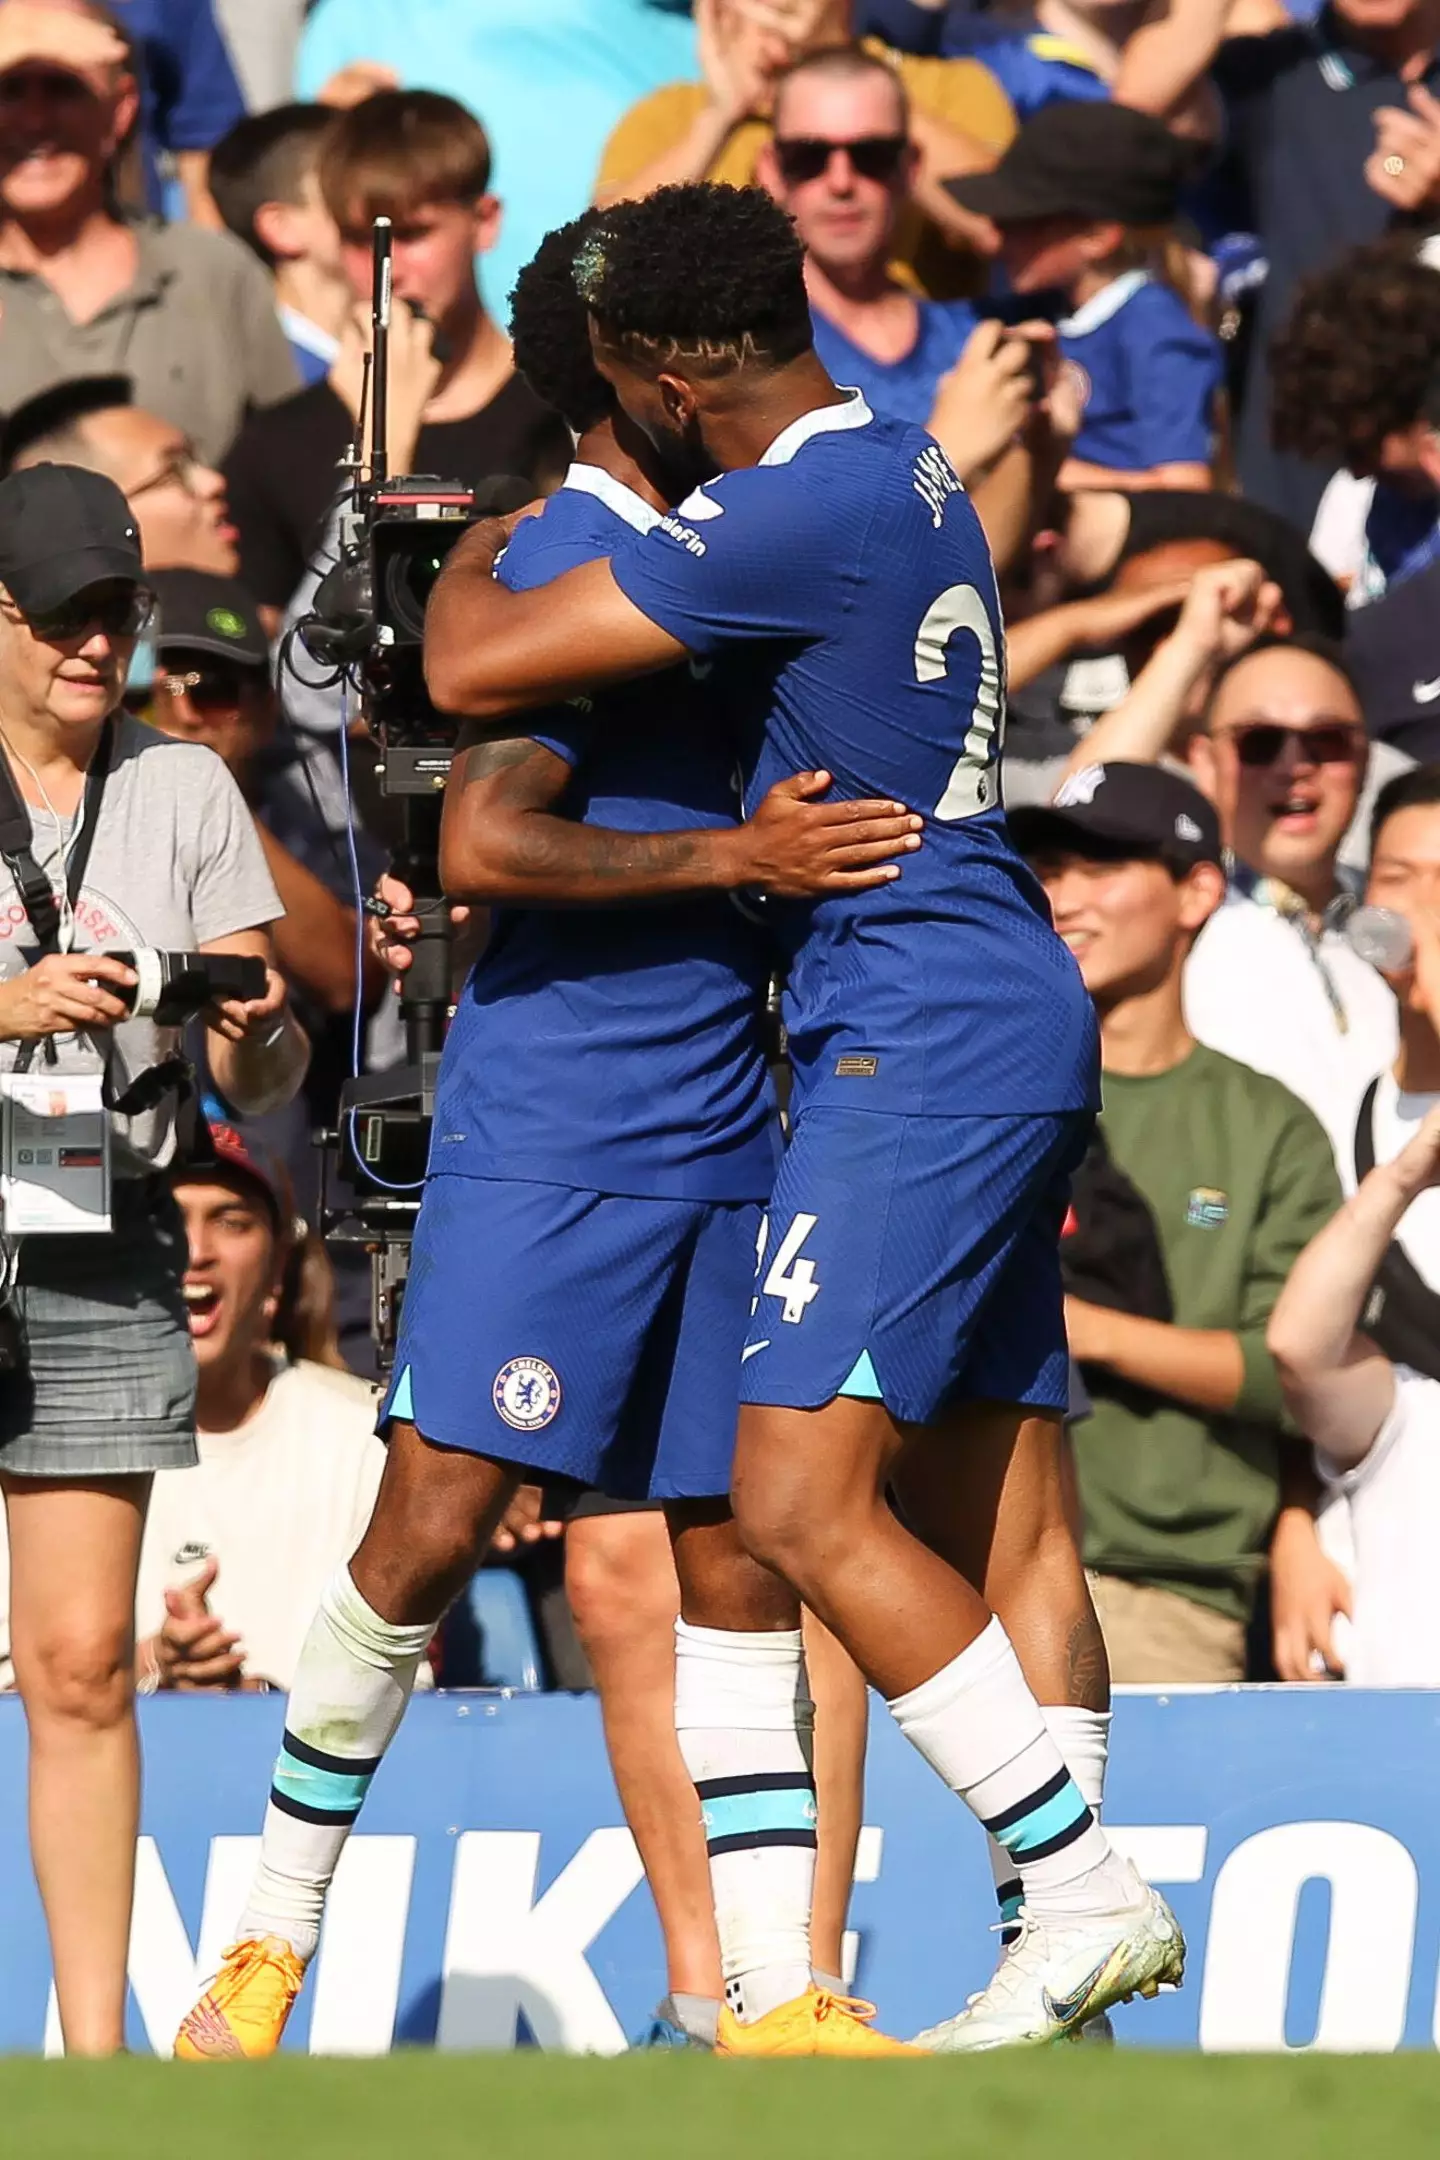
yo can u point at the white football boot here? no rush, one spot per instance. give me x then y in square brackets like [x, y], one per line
[1064, 1972]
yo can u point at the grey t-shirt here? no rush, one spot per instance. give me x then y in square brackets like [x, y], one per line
[196, 332]
[174, 863]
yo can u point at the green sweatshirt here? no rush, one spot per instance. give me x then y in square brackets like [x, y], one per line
[1239, 1176]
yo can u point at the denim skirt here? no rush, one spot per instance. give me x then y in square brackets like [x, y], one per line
[110, 1388]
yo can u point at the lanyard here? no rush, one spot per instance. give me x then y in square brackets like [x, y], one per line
[37, 895]
[16, 836]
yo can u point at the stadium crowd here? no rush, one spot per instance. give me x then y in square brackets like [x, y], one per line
[1162, 278]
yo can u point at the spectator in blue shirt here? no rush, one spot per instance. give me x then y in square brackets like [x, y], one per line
[264, 176]
[189, 95]
[841, 164]
[1039, 54]
[1083, 199]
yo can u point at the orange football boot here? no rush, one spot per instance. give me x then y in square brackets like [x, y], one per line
[815, 2023]
[244, 2010]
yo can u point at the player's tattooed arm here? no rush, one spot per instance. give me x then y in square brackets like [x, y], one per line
[503, 841]
[490, 652]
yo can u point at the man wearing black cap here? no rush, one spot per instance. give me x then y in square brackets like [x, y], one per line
[212, 685]
[1081, 198]
[1179, 1465]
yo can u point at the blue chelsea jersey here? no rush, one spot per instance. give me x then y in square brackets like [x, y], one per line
[616, 1049]
[1148, 376]
[850, 571]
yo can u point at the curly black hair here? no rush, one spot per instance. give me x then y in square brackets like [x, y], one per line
[709, 275]
[550, 327]
[1357, 359]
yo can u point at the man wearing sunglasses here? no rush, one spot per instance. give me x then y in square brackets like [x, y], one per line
[1282, 752]
[842, 164]
[716, 129]
[1274, 981]
[212, 685]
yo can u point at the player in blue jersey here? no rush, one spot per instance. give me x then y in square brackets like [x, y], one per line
[908, 1318]
[580, 1281]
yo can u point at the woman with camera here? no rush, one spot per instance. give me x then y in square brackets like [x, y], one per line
[114, 840]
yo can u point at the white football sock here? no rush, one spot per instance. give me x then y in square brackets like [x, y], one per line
[351, 1687]
[745, 1722]
[1083, 1738]
[696, 2015]
[980, 1728]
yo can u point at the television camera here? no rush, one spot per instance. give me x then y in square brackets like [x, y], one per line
[367, 626]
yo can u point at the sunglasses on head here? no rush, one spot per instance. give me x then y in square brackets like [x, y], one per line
[118, 614]
[806, 157]
[1332, 742]
[209, 690]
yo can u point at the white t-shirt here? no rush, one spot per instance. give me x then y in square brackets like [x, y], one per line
[1395, 1120]
[281, 1503]
[1377, 1523]
[1259, 990]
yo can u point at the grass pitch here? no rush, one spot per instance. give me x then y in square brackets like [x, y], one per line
[423, 2107]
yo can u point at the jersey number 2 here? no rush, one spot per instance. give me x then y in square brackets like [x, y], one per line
[972, 786]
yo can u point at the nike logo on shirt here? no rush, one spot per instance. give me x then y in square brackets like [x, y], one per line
[1425, 693]
[753, 1350]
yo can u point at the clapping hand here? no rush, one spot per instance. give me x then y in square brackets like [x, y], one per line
[194, 1649]
[1404, 166]
[1229, 605]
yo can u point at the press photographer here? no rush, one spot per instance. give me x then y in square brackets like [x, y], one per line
[133, 895]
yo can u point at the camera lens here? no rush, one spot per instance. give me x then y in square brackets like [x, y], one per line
[410, 576]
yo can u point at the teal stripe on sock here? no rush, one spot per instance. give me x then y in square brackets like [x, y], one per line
[861, 1380]
[337, 1792]
[1043, 1823]
[743, 1814]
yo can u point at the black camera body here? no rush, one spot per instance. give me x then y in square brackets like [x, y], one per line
[171, 987]
[414, 522]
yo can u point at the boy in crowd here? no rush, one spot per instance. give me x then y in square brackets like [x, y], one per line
[289, 1461]
[1179, 1462]
[264, 177]
[1082, 198]
[457, 407]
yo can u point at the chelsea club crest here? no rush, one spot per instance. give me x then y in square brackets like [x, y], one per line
[526, 1393]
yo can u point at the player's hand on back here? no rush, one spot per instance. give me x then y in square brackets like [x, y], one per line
[392, 926]
[798, 848]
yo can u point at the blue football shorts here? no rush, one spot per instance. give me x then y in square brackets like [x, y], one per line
[915, 1261]
[584, 1335]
